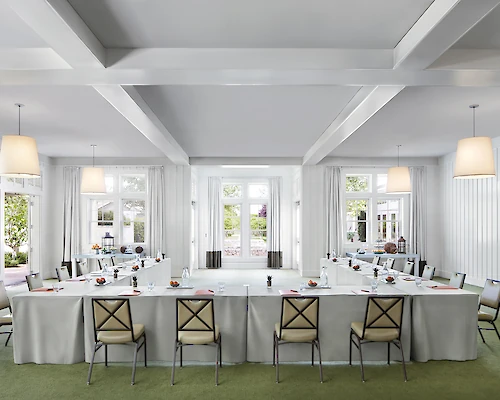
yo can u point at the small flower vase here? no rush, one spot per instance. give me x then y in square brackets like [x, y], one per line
[97, 251]
[375, 274]
[115, 274]
[142, 263]
[134, 281]
[269, 283]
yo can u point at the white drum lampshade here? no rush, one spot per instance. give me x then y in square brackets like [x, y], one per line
[398, 180]
[93, 181]
[474, 158]
[19, 157]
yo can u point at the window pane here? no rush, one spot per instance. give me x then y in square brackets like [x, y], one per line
[232, 230]
[258, 190]
[356, 220]
[258, 230]
[231, 191]
[389, 219]
[101, 220]
[357, 183]
[135, 183]
[133, 221]
[109, 182]
[381, 183]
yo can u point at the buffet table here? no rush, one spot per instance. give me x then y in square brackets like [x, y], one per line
[370, 256]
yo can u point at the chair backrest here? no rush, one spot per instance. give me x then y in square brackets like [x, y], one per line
[428, 272]
[376, 260]
[34, 281]
[195, 315]
[457, 280]
[384, 312]
[62, 273]
[112, 315]
[4, 300]
[83, 267]
[408, 268]
[299, 313]
[390, 263]
[490, 296]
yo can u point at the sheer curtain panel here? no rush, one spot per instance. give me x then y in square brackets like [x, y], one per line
[72, 240]
[274, 255]
[214, 253]
[155, 215]
[418, 206]
[333, 212]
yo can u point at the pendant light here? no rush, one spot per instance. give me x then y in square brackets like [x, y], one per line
[398, 179]
[19, 154]
[93, 178]
[474, 157]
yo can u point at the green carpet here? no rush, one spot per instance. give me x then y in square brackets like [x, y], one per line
[432, 380]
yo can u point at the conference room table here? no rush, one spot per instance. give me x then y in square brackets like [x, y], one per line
[49, 324]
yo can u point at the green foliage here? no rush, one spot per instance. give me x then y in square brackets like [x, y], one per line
[106, 218]
[136, 184]
[11, 261]
[16, 221]
[356, 183]
[138, 232]
[232, 191]
[232, 219]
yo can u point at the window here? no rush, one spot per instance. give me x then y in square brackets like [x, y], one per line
[245, 218]
[121, 211]
[370, 213]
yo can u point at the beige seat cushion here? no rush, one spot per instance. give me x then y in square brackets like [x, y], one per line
[482, 316]
[295, 335]
[198, 337]
[118, 337]
[375, 334]
[6, 320]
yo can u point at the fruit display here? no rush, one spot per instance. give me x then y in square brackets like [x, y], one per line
[334, 259]
[311, 283]
[355, 267]
[389, 279]
[135, 268]
[174, 283]
[100, 280]
[391, 248]
[157, 259]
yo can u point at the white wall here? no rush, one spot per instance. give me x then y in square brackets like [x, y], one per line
[470, 223]
[286, 172]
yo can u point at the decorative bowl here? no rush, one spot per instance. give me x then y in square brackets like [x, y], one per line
[174, 283]
[355, 267]
[312, 284]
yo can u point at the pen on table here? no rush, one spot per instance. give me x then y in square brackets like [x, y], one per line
[366, 291]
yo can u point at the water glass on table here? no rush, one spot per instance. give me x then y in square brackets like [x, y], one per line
[56, 287]
[418, 281]
[374, 285]
[222, 286]
[151, 286]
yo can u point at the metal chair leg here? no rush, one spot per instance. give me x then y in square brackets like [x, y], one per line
[403, 360]
[220, 351]
[106, 355]
[320, 364]
[312, 354]
[181, 355]
[496, 330]
[389, 353]
[8, 337]
[135, 363]
[350, 348]
[216, 364]
[274, 349]
[173, 364]
[481, 333]
[277, 361]
[361, 361]
[145, 352]
[91, 364]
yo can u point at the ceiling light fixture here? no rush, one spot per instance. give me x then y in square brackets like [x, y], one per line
[245, 166]
[93, 178]
[474, 157]
[398, 179]
[19, 154]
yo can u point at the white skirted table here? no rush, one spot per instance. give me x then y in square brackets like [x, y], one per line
[369, 257]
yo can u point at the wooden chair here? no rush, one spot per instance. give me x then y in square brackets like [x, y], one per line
[113, 325]
[298, 324]
[62, 273]
[7, 319]
[195, 324]
[408, 268]
[390, 263]
[376, 260]
[383, 319]
[428, 272]
[457, 280]
[490, 298]
[34, 281]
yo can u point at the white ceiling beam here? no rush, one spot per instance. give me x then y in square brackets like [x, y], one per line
[442, 24]
[37, 58]
[128, 102]
[365, 103]
[172, 58]
[56, 22]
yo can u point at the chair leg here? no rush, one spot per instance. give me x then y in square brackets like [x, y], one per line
[145, 352]
[220, 351]
[91, 364]
[135, 363]
[496, 330]
[389, 353]
[403, 360]
[481, 333]
[361, 362]
[320, 363]
[312, 354]
[274, 349]
[106, 355]
[350, 348]
[277, 361]
[173, 364]
[216, 364]
[181, 355]
[8, 337]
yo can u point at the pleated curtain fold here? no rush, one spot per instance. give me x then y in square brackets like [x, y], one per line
[155, 212]
[215, 216]
[72, 240]
[333, 210]
[274, 254]
[418, 205]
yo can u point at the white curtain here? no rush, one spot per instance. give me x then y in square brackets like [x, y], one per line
[72, 241]
[214, 253]
[155, 217]
[274, 255]
[333, 211]
[418, 203]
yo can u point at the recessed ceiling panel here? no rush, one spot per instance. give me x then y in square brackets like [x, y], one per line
[250, 24]
[484, 35]
[66, 120]
[426, 121]
[246, 121]
[14, 32]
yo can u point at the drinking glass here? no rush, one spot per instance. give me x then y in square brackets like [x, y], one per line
[221, 286]
[55, 287]
[418, 281]
[88, 278]
[396, 274]
[374, 285]
[302, 286]
[151, 286]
